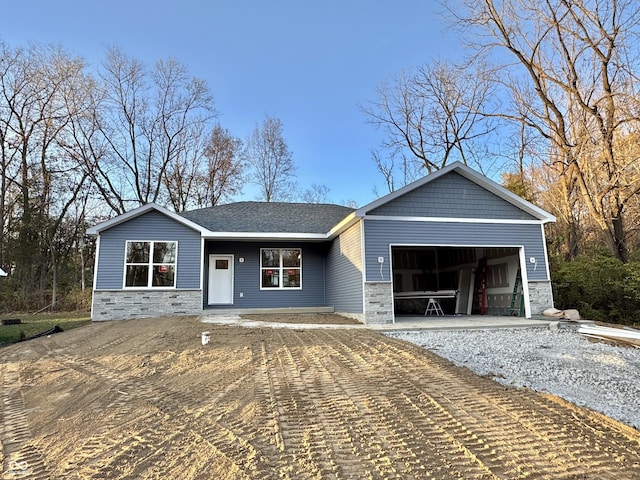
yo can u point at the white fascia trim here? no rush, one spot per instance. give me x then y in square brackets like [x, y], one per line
[454, 220]
[136, 212]
[343, 225]
[546, 253]
[457, 245]
[504, 193]
[263, 236]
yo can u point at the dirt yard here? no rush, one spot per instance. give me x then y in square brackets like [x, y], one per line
[144, 399]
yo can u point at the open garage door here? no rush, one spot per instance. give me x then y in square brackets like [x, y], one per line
[460, 280]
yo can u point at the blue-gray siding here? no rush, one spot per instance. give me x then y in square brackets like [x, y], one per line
[344, 271]
[247, 275]
[379, 234]
[152, 226]
[452, 196]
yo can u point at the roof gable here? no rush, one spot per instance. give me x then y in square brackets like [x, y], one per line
[456, 191]
[125, 217]
[269, 217]
[452, 196]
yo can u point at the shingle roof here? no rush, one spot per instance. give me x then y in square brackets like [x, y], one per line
[269, 217]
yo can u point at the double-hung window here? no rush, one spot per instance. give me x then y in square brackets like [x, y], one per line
[150, 264]
[281, 268]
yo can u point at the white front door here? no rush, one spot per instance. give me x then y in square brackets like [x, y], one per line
[220, 279]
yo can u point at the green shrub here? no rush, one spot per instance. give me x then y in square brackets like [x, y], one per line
[15, 299]
[599, 286]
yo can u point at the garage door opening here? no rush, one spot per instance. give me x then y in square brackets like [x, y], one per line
[457, 280]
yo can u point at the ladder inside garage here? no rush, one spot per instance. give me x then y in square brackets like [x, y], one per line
[517, 297]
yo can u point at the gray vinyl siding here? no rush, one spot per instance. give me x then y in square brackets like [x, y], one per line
[379, 234]
[247, 275]
[152, 226]
[344, 271]
[451, 196]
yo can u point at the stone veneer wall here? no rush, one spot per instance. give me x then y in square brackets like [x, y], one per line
[378, 303]
[540, 297]
[124, 304]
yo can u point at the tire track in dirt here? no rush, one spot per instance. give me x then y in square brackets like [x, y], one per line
[293, 404]
[529, 426]
[336, 413]
[299, 444]
[109, 451]
[468, 413]
[469, 422]
[20, 457]
[393, 440]
[541, 418]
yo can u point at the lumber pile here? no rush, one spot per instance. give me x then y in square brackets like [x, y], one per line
[625, 336]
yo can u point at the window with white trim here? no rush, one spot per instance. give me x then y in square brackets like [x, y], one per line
[280, 268]
[150, 264]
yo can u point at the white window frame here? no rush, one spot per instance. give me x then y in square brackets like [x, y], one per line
[280, 269]
[150, 264]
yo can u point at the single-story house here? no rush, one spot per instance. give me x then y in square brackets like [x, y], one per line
[453, 242]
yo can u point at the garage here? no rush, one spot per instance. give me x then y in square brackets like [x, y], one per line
[445, 280]
[454, 243]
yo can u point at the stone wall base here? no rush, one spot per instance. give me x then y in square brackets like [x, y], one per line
[378, 303]
[540, 297]
[125, 304]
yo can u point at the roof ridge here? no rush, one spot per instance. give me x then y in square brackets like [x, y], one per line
[258, 202]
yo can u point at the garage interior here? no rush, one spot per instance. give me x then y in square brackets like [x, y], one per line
[480, 280]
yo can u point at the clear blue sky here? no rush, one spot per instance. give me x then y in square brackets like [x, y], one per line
[308, 63]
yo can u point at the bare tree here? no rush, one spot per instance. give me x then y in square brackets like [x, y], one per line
[351, 203]
[316, 194]
[224, 173]
[183, 174]
[396, 172]
[271, 162]
[9, 170]
[212, 174]
[39, 179]
[570, 69]
[143, 122]
[430, 117]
